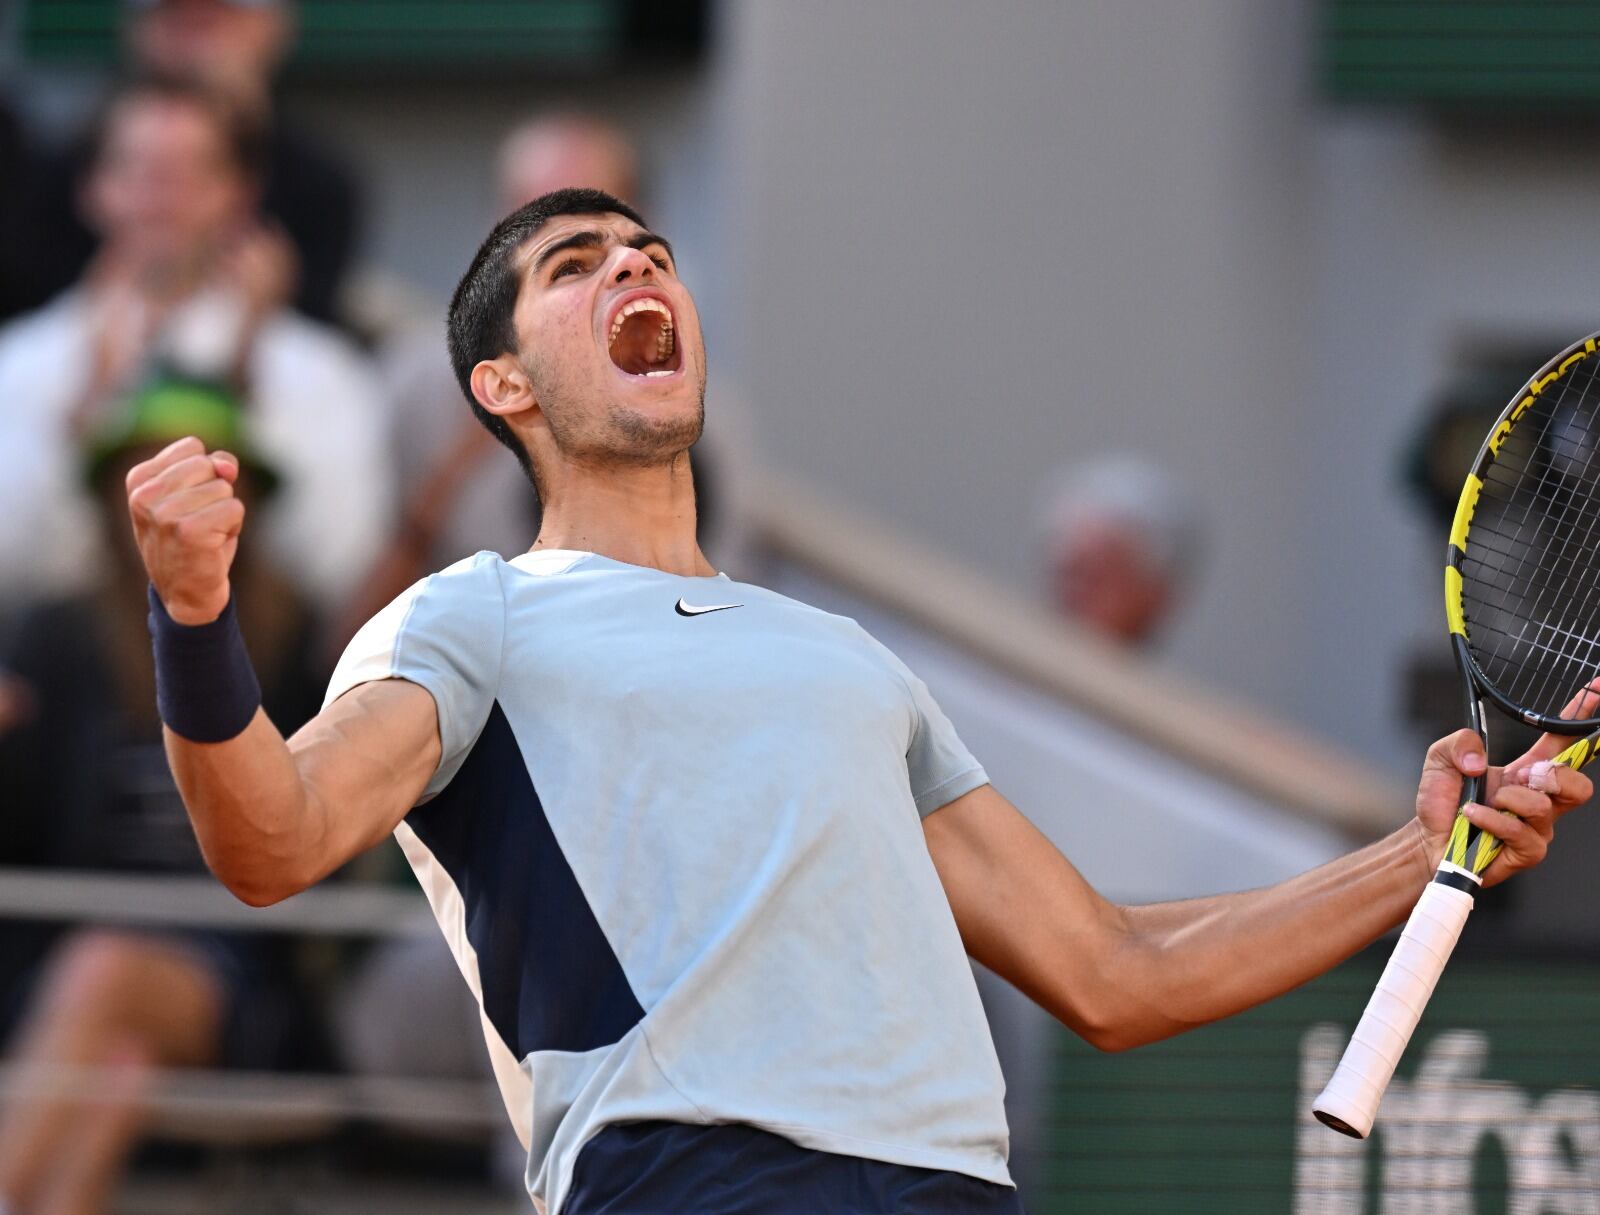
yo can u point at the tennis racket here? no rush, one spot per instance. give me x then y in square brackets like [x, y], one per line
[1522, 598]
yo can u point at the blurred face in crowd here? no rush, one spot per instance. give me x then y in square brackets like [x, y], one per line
[571, 150]
[235, 46]
[1104, 578]
[165, 189]
[610, 351]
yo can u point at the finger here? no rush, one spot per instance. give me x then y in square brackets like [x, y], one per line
[1526, 846]
[1459, 752]
[1530, 806]
[191, 470]
[185, 502]
[226, 465]
[1585, 705]
[179, 449]
[214, 525]
[1566, 787]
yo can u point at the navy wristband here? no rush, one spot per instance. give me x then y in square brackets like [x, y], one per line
[206, 689]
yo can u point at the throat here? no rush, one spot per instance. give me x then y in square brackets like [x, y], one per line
[638, 516]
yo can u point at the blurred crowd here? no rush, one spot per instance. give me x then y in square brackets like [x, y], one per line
[182, 268]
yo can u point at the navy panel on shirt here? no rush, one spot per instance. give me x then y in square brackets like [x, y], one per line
[551, 980]
[651, 1168]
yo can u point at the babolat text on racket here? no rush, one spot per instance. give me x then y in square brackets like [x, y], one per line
[1522, 598]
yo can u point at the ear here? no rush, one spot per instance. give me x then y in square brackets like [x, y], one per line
[502, 387]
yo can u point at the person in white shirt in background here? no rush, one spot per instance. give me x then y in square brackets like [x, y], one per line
[460, 498]
[1121, 540]
[187, 282]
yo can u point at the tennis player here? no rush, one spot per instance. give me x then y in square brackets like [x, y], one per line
[711, 860]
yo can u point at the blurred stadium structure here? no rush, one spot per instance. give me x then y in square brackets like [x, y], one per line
[941, 247]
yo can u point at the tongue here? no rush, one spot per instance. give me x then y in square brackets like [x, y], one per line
[643, 345]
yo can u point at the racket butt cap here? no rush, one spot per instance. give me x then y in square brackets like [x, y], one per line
[1334, 1122]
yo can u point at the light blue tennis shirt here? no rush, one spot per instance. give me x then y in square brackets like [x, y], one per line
[675, 844]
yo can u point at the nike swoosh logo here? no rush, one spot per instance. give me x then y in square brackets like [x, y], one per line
[689, 609]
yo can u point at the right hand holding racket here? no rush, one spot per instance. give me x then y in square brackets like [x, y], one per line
[1523, 800]
[186, 519]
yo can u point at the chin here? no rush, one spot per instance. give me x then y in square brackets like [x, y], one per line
[654, 435]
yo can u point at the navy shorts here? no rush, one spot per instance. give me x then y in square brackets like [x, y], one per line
[672, 1168]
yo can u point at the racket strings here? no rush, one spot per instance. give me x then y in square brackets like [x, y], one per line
[1542, 650]
[1575, 527]
[1530, 577]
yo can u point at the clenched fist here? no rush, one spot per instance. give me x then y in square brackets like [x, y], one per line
[186, 520]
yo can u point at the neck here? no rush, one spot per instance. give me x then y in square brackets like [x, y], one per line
[166, 280]
[640, 516]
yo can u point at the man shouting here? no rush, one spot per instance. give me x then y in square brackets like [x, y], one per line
[711, 860]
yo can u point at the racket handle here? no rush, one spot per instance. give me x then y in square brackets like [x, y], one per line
[1350, 1101]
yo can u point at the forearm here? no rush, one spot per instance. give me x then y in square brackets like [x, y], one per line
[1189, 963]
[252, 812]
[272, 816]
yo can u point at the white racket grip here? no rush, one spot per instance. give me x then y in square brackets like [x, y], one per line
[1350, 1101]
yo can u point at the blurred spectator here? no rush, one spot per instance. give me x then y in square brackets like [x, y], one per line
[1120, 542]
[235, 47]
[564, 149]
[463, 496]
[18, 172]
[185, 280]
[85, 784]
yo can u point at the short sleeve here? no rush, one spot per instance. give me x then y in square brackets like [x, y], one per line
[938, 764]
[445, 634]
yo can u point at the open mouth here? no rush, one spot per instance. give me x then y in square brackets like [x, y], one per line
[643, 339]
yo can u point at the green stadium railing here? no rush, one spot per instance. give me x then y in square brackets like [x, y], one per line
[443, 35]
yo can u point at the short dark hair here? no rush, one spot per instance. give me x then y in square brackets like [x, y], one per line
[244, 137]
[480, 323]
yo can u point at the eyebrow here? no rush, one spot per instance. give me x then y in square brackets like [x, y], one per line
[593, 239]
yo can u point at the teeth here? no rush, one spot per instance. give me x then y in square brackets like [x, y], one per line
[643, 305]
[653, 374]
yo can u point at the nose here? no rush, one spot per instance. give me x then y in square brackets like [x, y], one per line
[630, 265]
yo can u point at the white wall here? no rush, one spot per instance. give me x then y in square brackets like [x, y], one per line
[976, 241]
[428, 150]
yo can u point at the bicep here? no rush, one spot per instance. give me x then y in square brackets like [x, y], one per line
[1022, 909]
[364, 762]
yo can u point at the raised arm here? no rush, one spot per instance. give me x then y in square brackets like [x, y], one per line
[275, 816]
[1124, 976]
[272, 816]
